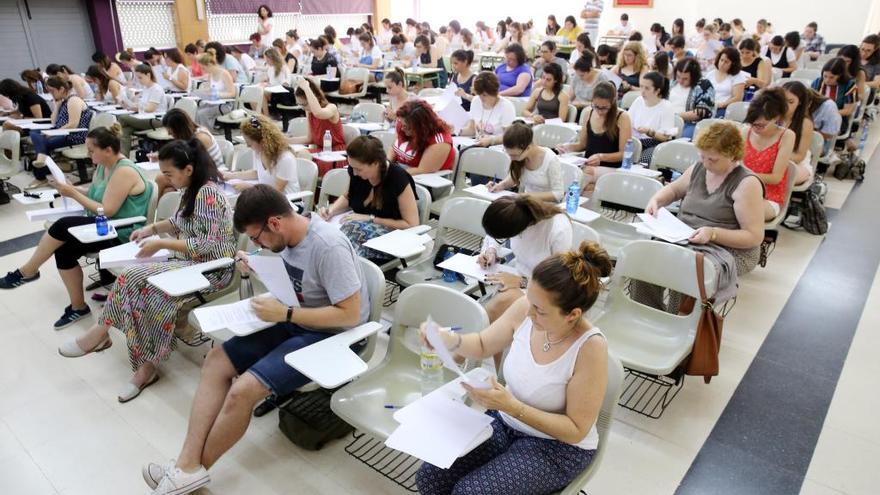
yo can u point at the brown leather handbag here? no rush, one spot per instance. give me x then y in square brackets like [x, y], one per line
[349, 86]
[703, 360]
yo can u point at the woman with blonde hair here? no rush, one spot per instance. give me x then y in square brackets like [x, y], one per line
[277, 74]
[274, 163]
[632, 64]
[220, 84]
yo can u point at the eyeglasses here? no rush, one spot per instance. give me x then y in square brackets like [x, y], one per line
[255, 238]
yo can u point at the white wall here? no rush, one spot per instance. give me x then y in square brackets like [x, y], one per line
[846, 23]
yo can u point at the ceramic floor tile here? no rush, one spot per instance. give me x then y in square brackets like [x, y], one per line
[811, 487]
[845, 462]
[21, 475]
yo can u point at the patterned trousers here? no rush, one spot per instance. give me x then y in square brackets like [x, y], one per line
[508, 462]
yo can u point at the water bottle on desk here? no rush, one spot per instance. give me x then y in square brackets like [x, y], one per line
[572, 198]
[215, 93]
[431, 369]
[627, 155]
[449, 275]
[101, 223]
[40, 88]
[328, 142]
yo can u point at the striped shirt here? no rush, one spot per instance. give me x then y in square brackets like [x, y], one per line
[592, 23]
[407, 155]
[214, 149]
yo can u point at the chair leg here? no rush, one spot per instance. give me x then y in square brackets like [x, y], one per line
[227, 133]
[4, 197]
[82, 172]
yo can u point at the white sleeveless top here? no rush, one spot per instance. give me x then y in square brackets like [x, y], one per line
[542, 386]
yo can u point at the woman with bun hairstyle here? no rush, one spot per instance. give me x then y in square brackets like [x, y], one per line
[556, 371]
[119, 188]
[201, 230]
[535, 229]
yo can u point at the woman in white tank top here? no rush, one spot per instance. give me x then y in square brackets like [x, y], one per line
[544, 427]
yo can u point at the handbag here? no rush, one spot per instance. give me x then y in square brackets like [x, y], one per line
[349, 86]
[703, 360]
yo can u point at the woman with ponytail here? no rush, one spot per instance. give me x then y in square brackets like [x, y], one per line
[381, 197]
[535, 229]
[556, 372]
[534, 170]
[274, 163]
[201, 230]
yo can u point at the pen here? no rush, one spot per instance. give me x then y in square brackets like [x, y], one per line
[390, 406]
[255, 251]
[455, 329]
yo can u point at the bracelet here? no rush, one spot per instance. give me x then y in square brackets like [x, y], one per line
[457, 344]
[289, 313]
[714, 234]
[522, 410]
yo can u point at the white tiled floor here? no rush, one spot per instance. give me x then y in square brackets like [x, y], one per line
[63, 432]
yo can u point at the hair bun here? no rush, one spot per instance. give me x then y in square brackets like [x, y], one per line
[596, 257]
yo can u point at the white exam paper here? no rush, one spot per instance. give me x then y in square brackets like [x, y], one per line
[213, 318]
[481, 191]
[126, 254]
[666, 226]
[432, 333]
[271, 271]
[469, 267]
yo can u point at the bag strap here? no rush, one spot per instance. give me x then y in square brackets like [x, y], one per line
[700, 282]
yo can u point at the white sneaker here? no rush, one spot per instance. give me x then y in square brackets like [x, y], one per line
[178, 482]
[154, 472]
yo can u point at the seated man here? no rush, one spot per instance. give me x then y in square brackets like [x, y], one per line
[331, 290]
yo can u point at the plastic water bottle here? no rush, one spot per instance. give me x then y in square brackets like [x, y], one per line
[573, 198]
[449, 275]
[750, 92]
[863, 138]
[215, 93]
[40, 88]
[627, 155]
[431, 369]
[328, 142]
[101, 223]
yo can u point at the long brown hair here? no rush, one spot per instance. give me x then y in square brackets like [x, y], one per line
[606, 91]
[517, 136]
[316, 90]
[370, 150]
[511, 215]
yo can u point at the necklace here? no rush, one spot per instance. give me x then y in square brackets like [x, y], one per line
[548, 343]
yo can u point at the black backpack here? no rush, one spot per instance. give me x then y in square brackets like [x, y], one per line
[812, 213]
[851, 167]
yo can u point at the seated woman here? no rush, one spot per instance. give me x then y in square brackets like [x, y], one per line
[70, 112]
[728, 79]
[869, 53]
[120, 189]
[548, 56]
[395, 86]
[836, 84]
[110, 67]
[323, 117]
[177, 74]
[587, 77]
[632, 62]
[28, 104]
[201, 231]
[462, 76]
[758, 69]
[534, 170]
[581, 46]
[192, 58]
[536, 230]
[550, 102]
[653, 118]
[381, 197]
[371, 56]
[709, 47]
[107, 89]
[79, 85]
[692, 97]
[851, 55]
[826, 119]
[323, 62]
[219, 85]
[274, 163]
[514, 74]
[769, 146]
[722, 200]
[490, 114]
[780, 56]
[603, 136]
[291, 62]
[797, 119]
[515, 36]
[556, 372]
[569, 30]
[150, 100]
[277, 74]
[424, 142]
[181, 127]
[431, 57]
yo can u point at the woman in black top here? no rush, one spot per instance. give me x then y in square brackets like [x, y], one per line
[603, 136]
[30, 104]
[322, 60]
[381, 197]
[785, 56]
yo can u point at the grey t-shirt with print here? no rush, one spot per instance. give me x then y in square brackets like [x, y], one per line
[325, 270]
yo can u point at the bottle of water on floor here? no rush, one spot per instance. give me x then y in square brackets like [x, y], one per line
[215, 93]
[862, 139]
[449, 275]
[328, 142]
[627, 155]
[572, 198]
[101, 223]
[431, 369]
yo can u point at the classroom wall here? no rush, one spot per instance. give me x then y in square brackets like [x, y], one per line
[189, 27]
[836, 24]
[105, 26]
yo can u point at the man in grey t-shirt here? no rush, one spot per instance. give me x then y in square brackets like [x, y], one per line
[329, 285]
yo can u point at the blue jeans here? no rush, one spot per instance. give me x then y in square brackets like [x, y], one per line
[688, 131]
[45, 145]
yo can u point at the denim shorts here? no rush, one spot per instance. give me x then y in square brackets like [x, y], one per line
[262, 354]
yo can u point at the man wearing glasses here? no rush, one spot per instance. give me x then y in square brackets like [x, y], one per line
[332, 294]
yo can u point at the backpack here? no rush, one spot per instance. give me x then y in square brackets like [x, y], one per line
[812, 213]
[852, 167]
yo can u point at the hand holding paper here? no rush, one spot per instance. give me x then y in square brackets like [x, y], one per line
[432, 334]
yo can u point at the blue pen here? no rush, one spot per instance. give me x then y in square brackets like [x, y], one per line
[255, 251]
[390, 406]
[455, 329]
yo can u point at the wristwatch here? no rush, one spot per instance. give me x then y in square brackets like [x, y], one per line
[289, 314]
[372, 218]
[523, 283]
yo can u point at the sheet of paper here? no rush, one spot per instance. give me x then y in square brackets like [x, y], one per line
[432, 180]
[21, 122]
[440, 432]
[279, 89]
[148, 166]
[666, 226]
[59, 177]
[330, 156]
[298, 147]
[213, 318]
[119, 111]
[61, 132]
[454, 115]
[576, 159]
[612, 77]
[36, 127]
[481, 191]
[336, 220]
[556, 121]
[126, 255]
[432, 333]
[272, 272]
[106, 108]
[582, 215]
[468, 266]
[462, 141]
